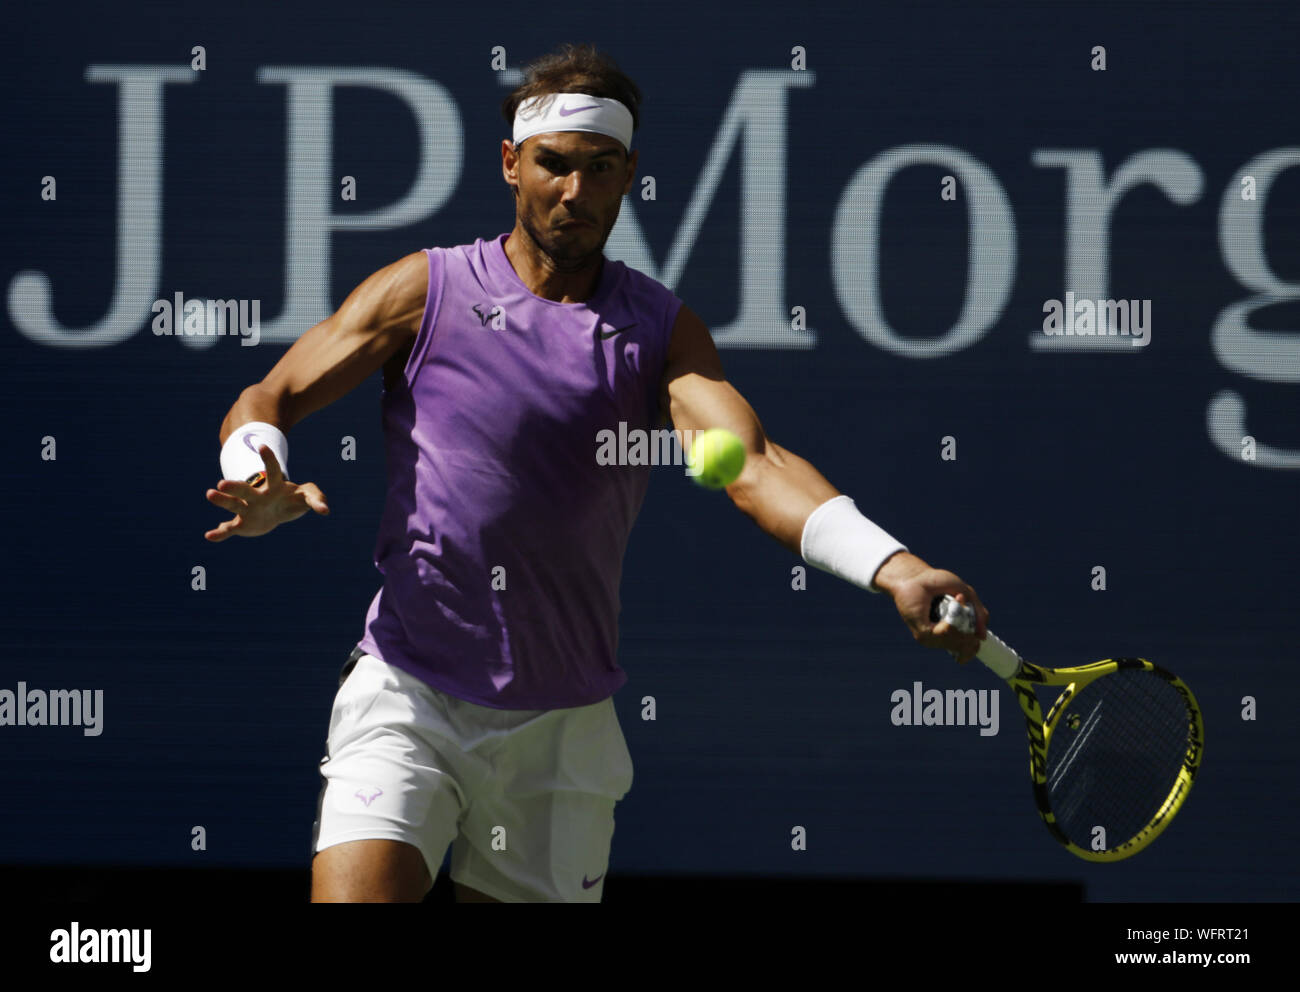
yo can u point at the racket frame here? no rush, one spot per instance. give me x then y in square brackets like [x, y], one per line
[1023, 675]
[1041, 729]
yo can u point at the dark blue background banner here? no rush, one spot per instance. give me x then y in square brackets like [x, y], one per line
[800, 160]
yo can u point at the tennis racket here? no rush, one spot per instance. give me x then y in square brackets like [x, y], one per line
[1115, 757]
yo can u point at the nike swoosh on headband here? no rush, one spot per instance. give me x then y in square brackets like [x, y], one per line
[569, 113]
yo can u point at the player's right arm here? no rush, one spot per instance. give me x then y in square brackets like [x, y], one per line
[373, 328]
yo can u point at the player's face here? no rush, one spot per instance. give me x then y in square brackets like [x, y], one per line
[571, 186]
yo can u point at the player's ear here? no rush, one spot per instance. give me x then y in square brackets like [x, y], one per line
[510, 159]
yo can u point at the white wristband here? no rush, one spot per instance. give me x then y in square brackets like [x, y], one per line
[239, 456]
[840, 540]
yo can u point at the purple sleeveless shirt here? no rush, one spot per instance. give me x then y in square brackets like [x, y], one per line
[502, 538]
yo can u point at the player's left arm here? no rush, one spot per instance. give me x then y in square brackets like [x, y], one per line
[779, 490]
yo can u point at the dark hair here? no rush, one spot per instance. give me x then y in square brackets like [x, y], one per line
[575, 69]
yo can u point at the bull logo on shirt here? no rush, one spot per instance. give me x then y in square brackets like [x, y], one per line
[483, 318]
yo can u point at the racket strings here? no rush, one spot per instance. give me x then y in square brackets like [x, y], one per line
[1115, 755]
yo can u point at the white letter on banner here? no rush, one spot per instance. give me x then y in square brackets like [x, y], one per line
[758, 107]
[1090, 203]
[855, 249]
[311, 189]
[139, 218]
[1267, 355]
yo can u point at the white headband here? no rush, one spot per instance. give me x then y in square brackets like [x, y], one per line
[573, 112]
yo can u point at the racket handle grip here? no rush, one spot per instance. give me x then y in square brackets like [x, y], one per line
[994, 652]
[1000, 659]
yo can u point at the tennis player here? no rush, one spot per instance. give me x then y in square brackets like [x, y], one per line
[475, 712]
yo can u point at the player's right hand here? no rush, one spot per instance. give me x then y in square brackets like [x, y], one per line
[259, 510]
[913, 584]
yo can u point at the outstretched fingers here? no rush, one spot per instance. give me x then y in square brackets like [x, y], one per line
[274, 474]
[226, 500]
[244, 490]
[219, 534]
[314, 497]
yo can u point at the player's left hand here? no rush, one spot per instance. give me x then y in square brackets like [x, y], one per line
[913, 584]
[259, 509]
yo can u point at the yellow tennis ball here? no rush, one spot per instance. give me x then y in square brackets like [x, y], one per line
[716, 458]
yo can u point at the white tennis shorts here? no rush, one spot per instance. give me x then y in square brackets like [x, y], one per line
[525, 798]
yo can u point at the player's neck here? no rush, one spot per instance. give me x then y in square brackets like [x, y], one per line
[536, 271]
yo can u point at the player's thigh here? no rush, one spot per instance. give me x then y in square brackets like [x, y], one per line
[552, 847]
[392, 794]
[376, 870]
[541, 831]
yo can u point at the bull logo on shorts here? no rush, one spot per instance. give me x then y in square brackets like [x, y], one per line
[368, 799]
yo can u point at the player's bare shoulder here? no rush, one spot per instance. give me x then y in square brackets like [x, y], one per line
[374, 328]
[691, 348]
[691, 351]
[405, 285]
[394, 296]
